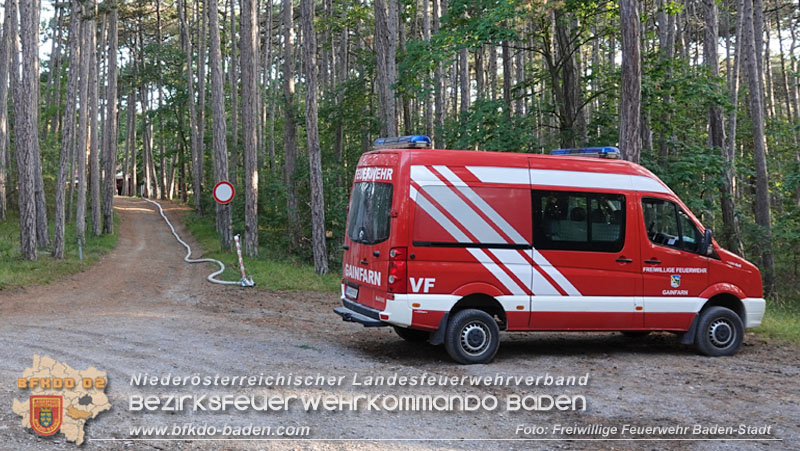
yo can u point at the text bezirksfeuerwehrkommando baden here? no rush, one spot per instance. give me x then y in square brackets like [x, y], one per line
[355, 379]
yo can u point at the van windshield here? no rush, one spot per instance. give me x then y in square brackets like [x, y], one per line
[370, 207]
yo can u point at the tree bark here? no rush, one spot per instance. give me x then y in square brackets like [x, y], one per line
[68, 131]
[234, 83]
[25, 126]
[87, 28]
[385, 48]
[250, 115]
[218, 112]
[199, 169]
[110, 125]
[426, 36]
[197, 161]
[5, 49]
[631, 86]
[463, 78]
[731, 235]
[756, 108]
[289, 132]
[130, 124]
[94, 154]
[312, 133]
[53, 75]
[438, 87]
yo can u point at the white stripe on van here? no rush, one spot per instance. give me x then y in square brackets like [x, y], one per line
[479, 255]
[567, 179]
[540, 284]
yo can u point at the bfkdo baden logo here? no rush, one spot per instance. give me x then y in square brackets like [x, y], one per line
[45, 413]
[60, 398]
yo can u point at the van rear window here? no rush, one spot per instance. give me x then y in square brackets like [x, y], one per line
[370, 207]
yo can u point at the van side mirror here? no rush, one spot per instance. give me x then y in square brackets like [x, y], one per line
[705, 243]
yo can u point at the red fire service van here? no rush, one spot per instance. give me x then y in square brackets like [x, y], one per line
[452, 247]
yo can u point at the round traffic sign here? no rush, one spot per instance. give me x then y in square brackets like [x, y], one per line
[223, 192]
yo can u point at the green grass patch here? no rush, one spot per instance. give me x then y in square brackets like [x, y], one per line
[781, 321]
[270, 271]
[18, 273]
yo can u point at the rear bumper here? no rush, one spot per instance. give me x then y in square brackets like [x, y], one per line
[754, 309]
[354, 312]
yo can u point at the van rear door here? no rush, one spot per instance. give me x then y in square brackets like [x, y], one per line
[368, 231]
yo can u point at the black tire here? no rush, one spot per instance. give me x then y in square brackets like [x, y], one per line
[472, 336]
[412, 335]
[719, 332]
[635, 333]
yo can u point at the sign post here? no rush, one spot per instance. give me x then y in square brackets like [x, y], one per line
[223, 194]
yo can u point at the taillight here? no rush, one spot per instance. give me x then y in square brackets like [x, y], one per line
[397, 270]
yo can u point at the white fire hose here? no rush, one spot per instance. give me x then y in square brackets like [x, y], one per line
[244, 282]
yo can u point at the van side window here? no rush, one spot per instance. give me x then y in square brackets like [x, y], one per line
[668, 225]
[578, 221]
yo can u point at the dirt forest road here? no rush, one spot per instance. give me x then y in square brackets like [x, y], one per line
[143, 310]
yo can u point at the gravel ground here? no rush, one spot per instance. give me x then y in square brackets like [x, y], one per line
[142, 310]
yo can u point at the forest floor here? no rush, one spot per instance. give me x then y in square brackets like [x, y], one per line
[142, 309]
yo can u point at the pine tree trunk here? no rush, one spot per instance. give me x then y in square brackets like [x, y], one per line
[195, 136]
[270, 95]
[289, 132]
[198, 167]
[314, 153]
[507, 63]
[463, 78]
[25, 128]
[385, 48]
[426, 36]
[219, 126]
[5, 49]
[129, 144]
[88, 31]
[68, 132]
[756, 108]
[53, 74]
[729, 219]
[110, 126]
[250, 114]
[233, 79]
[438, 87]
[631, 86]
[94, 153]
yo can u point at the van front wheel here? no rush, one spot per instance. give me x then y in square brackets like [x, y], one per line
[472, 337]
[719, 332]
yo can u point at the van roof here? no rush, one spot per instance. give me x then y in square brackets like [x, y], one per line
[514, 159]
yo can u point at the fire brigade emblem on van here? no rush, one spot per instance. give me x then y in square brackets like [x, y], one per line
[675, 280]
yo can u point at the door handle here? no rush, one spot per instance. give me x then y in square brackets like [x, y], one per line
[653, 262]
[364, 261]
[623, 259]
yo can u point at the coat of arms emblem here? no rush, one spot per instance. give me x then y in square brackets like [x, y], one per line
[46, 414]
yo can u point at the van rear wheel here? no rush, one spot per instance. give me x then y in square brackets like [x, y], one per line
[719, 332]
[472, 337]
[412, 335]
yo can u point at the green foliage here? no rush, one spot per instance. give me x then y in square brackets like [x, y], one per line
[18, 273]
[270, 271]
[488, 126]
[782, 321]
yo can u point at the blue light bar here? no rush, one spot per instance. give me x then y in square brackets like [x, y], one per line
[403, 142]
[601, 152]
